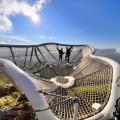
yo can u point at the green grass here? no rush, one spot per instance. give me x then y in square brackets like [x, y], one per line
[9, 100]
[4, 80]
[91, 89]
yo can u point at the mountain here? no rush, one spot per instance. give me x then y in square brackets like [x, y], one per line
[110, 53]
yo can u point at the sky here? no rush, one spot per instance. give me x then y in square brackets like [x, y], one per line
[91, 22]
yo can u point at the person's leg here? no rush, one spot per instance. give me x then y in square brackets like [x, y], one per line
[68, 58]
[59, 57]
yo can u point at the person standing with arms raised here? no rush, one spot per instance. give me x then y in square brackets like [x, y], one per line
[68, 52]
[60, 53]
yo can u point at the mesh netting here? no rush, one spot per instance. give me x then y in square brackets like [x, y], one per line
[93, 77]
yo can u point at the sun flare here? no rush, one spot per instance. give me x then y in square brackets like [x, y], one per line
[35, 18]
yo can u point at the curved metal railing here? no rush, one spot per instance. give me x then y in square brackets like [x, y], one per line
[95, 78]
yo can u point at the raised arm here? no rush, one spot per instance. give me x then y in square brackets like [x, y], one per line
[70, 47]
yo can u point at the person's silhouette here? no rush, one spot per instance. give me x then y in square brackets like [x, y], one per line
[60, 53]
[68, 52]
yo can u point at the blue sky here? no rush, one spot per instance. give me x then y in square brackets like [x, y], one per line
[93, 22]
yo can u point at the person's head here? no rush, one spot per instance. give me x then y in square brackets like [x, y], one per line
[61, 48]
[66, 47]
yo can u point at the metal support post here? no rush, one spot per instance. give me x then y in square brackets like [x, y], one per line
[76, 104]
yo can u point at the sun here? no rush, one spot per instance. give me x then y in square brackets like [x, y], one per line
[35, 18]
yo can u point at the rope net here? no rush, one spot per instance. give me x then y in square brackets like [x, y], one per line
[93, 77]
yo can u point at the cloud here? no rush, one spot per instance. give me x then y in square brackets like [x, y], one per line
[18, 38]
[44, 37]
[13, 7]
[2, 42]
[51, 38]
[5, 24]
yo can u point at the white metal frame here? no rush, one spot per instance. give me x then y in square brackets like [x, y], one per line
[25, 84]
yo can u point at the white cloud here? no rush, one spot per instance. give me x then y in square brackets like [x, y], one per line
[18, 38]
[51, 38]
[13, 7]
[5, 24]
[44, 37]
[2, 42]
